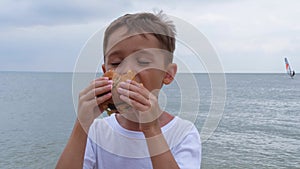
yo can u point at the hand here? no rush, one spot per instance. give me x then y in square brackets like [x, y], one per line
[89, 101]
[144, 103]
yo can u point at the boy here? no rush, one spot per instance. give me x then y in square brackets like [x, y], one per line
[140, 135]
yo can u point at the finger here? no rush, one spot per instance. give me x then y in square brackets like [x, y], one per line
[101, 83]
[94, 84]
[136, 105]
[95, 103]
[99, 79]
[136, 87]
[139, 87]
[102, 78]
[98, 101]
[135, 83]
[92, 104]
[103, 98]
[95, 92]
[134, 95]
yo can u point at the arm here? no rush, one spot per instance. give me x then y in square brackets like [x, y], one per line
[148, 112]
[161, 156]
[187, 154]
[73, 154]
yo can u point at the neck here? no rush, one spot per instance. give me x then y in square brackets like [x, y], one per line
[163, 119]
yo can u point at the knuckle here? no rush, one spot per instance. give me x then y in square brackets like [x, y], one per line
[91, 104]
[101, 99]
[81, 93]
[148, 104]
[93, 81]
[81, 100]
[94, 91]
[134, 103]
[135, 95]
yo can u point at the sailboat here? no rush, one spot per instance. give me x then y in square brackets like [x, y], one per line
[288, 68]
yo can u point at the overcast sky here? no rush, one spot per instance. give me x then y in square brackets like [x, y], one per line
[248, 35]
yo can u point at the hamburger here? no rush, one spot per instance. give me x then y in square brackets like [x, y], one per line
[110, 106]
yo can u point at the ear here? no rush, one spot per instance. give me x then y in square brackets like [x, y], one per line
[103, 68]
[170, 73]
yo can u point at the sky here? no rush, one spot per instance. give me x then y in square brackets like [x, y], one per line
[249, 36]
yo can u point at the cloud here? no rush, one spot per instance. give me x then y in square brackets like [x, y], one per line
[32, 12]
[43, 48]
[35, 33]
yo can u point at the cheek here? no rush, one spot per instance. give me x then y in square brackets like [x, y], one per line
[151, 81]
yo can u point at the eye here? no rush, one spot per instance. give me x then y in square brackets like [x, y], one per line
[143, 62]
[115, 63]
[114, 60]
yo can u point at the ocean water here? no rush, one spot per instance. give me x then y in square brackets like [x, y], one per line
[260, 125]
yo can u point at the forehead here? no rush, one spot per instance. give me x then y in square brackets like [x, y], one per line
[116, 36]
[121, 37]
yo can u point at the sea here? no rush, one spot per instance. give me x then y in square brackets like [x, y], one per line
[258, 122]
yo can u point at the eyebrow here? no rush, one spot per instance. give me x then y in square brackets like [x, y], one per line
[118, 52]
[114, 53]
[142, 51]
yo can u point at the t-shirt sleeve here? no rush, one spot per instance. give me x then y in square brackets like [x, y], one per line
[89, 156]
[188, 153]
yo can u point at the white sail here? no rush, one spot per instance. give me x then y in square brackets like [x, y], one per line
[288, 68]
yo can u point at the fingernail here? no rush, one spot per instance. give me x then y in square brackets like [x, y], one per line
[122, 83]
[121, 91]
[110, 82]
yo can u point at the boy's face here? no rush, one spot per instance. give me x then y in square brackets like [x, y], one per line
[141, 54]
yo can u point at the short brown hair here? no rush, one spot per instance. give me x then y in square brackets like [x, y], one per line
[156, 24]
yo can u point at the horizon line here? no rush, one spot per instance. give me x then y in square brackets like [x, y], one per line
[16, 71]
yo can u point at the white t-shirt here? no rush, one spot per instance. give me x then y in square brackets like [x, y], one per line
[110, 146]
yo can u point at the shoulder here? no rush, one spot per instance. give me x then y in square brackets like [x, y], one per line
[102, 124]
[181, 125]
[188, 128]
[185, 143]
[179, 130]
